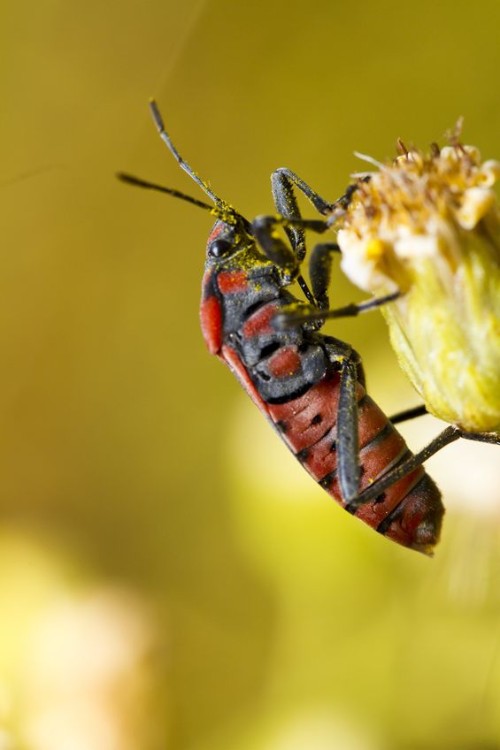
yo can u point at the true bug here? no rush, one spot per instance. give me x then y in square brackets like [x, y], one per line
[310, 386]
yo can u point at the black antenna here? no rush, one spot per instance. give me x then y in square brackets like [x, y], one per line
[158, 121]
[130, 179]
[223, 210]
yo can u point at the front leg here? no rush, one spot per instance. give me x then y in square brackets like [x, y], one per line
[287, 257]
[403, 416]
[283, 181]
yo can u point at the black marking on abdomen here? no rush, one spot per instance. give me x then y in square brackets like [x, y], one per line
[363, 401]
[289, 396]
[328, 480]
[269, 349]
[251, 309]
[380, 437]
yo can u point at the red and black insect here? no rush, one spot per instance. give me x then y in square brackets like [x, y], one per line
[310, 386]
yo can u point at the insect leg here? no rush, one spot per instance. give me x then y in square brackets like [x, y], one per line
[286, 205]
[449, 435]
[348, 311]
[348, 468]
[482, 437]
[402, 416]
[284, 256]
[320, 265]
[283, 181]
[320, 268]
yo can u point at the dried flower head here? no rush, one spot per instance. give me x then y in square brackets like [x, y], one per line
[428, 225]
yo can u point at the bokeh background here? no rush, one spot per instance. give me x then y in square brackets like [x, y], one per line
[169, 577]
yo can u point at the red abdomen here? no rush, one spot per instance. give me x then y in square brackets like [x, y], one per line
[409, 511]
[292, 380]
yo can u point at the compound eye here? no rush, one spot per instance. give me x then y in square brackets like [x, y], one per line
[220, 247]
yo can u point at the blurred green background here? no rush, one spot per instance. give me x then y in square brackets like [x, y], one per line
[169, 577]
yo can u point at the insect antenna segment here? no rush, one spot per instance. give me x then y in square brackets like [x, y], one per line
[221, 208]
[158, 121]
[130, 179]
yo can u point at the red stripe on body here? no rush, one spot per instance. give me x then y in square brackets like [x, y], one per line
[419, 523]
[284, 363]
[321, 459]
[211, 324]
[232, 281]
[259, 323]
[307, 418]
[374, 513]
[379, 455]
[371, 420]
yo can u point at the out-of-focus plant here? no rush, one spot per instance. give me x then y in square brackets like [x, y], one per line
[80, 663]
